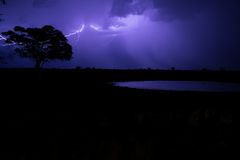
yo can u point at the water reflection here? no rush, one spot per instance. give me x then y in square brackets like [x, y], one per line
[202, 86]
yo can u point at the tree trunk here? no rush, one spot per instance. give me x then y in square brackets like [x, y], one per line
[38, 65]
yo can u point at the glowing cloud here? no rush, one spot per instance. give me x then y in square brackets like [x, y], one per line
[131, 21]
[109, 31]
[96, 28]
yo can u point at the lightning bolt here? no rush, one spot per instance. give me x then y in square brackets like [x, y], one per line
[2, 38]
[76, 32]
[111, 31]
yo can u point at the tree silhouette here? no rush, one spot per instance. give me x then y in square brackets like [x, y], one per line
[40, 44]
[1, 59]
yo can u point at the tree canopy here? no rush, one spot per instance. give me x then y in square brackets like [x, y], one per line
[40, 44]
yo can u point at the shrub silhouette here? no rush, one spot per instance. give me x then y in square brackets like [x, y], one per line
[40, 44]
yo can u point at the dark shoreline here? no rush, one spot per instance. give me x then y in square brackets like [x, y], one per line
[97, 83]
[78, 113]
[109, 75]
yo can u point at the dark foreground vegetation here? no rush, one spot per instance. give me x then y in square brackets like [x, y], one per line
[78, 114]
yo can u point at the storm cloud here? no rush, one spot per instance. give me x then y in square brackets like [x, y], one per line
[138, 33]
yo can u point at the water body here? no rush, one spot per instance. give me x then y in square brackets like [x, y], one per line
[200, 86]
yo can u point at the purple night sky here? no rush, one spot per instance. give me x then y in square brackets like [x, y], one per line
[134, 33]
